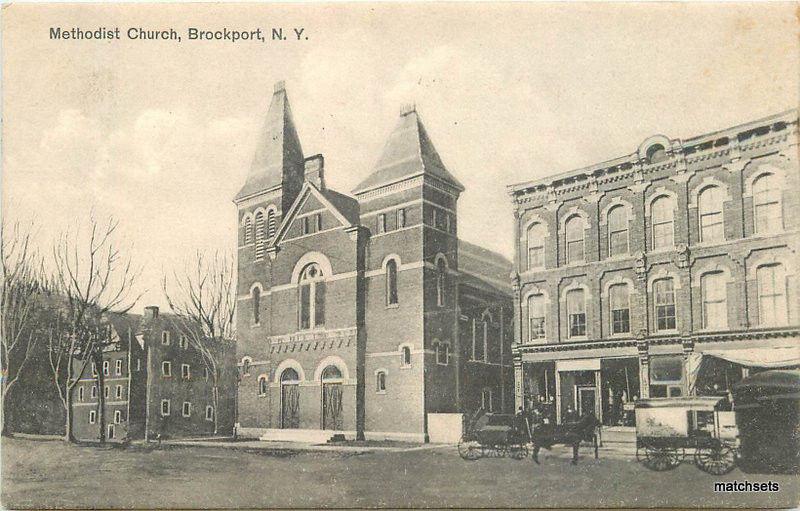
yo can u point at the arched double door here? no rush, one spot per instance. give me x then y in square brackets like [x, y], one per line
[332, 398]
[290, 399]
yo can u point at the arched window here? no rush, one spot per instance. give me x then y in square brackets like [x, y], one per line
[271, 224]
[331, 373]
[536, 235]
[380, 382]
[767, 204]
[165, 338]
[248, 230]
[256, 305]
[772, 295]
[289, 375]
[619, 304]
[656, 153]
[405, 356]
[662, 213]
[617, 231]
[262, 386]
[664, 299]
[709, 208]
[391, 282]
[576, 313]
[536, 317]
[714, 295]
[574, 235]
[259, 232]
[441, 275]
[312, 297]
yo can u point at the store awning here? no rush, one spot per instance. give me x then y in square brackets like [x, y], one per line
[772, 357]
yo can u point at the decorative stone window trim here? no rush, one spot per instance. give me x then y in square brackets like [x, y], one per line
[331, 360]
[615, 281]
[587, 294]
[658, 193]
[713, 267]
[287, 364]
[705, 183]
[309, 258]
[617, 201]
[664, 274]
[572, 211]
[535, 219]
[763, 170]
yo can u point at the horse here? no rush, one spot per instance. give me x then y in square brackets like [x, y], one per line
[547, 435]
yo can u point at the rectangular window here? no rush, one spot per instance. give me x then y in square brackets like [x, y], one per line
[620, 309]
[536, 257]
[318, 222]
[536, 317]
[138, 364]
[185, 341]
[166, 368]
[575, 251]
[306, 225]
[118, 367]
[576, 312]
[442, 353]
[665, 304]
[319, 304]
[94, 369]
[80, 393]
[185, 371]
[663, 234]
[92, 416]
[164, 407]
[666, 376]
[769, 217]
[618, 242]
[105, 392]
[105, 367]
[165, 338]
[94, 392]
[712, 227]
[381, 223]
[117, 416]
[110, 431]
[118, 392]
[715, 310]
[187, 409]
[772, 292]
[401, 218]
[478, 332]
[209, 413]
[305, 307]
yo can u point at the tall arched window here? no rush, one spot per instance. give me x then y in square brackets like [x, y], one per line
[248, 230]
[259, 232]
[262, 386]
[767, 204]
[536, 235]
[271, 224]
[405, 356]
[576, 313]
[536, 317]
[773, 307]
[709, 208]
[574, 235]
[620, 308]
[441, 275]
[380, 382]
[662, 218]
[256, 305]
[391, 282]
[311, 297]
[714, 295]
[617, 231]
[664, 299]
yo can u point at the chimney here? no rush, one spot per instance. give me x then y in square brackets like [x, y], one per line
[408, 108]
[150, 312]
[279, 87]
[315, 170]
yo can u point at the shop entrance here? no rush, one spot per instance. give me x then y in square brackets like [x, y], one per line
[578, 394]
[620, 388]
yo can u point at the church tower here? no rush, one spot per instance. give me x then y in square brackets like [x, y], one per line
[275, 178]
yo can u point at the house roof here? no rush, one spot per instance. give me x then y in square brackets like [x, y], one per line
[484, 268]
[408, 152]
[278, 147]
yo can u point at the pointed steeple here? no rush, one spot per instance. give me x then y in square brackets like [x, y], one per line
[279, 156]
[409, 152]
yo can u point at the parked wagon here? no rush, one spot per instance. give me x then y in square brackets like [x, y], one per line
[667, 428]
[493, 434]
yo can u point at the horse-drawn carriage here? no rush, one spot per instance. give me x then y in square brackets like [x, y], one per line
[666, 428]
[491, 434]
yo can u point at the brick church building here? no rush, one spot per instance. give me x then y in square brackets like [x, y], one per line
[363, 315]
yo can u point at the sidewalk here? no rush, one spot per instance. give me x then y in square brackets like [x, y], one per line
[274, 446]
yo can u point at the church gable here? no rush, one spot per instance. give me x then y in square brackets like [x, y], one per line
[311, 212]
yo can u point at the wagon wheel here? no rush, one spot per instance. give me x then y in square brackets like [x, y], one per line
[519, 452]
[661, 458]
[717, 460]
[469, 450]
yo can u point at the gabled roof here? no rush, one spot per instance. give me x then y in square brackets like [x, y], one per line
[484, 268]
[409, 152]
[278, 146]
[344, 208]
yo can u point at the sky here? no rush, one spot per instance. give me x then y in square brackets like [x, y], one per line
[161, 134]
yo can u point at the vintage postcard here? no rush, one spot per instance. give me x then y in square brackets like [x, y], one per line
[400, 255]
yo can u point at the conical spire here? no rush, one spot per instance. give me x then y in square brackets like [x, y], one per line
[278, 151]
[409, 152]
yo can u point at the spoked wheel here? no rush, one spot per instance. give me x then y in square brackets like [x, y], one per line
[519, 452]
[660, 458]
[469, 450]
[717, 460]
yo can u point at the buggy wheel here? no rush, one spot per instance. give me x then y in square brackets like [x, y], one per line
[661, 458]
[469, 450]
[717, 460]
[519, 452]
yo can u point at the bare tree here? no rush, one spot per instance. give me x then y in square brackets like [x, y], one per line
[22, 287]
[92, 279]
[203, 300]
